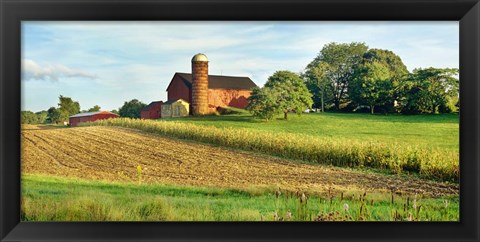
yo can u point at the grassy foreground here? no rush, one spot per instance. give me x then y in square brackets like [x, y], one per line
[433, 162]
[47, 198]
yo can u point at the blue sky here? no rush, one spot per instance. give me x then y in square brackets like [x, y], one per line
[108, 63]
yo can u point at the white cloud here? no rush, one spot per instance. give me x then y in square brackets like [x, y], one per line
[53, 72]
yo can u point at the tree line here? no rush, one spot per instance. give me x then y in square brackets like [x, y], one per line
[68, 107]
[350, 77]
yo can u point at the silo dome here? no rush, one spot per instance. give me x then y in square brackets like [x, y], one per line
[199, 57]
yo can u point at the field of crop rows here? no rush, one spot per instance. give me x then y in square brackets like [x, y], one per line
[120, 154]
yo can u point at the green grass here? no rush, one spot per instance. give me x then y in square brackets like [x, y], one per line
[440, 130]
[46, 198]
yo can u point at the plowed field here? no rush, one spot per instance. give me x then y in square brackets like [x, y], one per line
[112, 153]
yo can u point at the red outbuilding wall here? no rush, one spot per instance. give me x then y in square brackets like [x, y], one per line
[74, 121]
[152, 112]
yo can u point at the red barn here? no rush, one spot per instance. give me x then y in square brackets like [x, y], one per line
[152, 111]
[209, 91]
[90, 117]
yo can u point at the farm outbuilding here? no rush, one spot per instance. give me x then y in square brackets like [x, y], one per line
[206, 93]
[152, 111]
[90, 117]
[175, 108]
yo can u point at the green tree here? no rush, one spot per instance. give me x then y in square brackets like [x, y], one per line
[319, 84]
[131, 109]
[284, 91]
[372, 87]
[53, 115]
[41, 117]
[262, 103]
[67, 107]
[376, 80]
[28, 117]
[95, 108]
[430, 90]
[114, 111]
[339, 62]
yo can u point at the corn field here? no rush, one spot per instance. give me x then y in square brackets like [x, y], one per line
[433, 163]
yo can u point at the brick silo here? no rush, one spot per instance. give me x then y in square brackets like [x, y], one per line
[199, 84]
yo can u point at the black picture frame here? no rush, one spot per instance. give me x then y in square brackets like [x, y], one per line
[467, 12]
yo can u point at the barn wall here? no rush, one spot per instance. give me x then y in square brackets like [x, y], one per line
[76, 120]
[155, 111]
[176, 109]
[145, 114]
[178, 90]
[73, 121]
[103, 116]
[166, 111]
[228, 97]
[152, 113]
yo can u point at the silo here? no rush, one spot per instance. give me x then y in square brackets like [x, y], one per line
[199, 84]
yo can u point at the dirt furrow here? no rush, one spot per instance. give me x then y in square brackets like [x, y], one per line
[60, 158]
[75, 155]
[97, 152]
[136, 146]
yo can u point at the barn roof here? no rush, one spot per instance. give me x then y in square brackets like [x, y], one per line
[90, 114]
[219, 82]
[151, 105]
